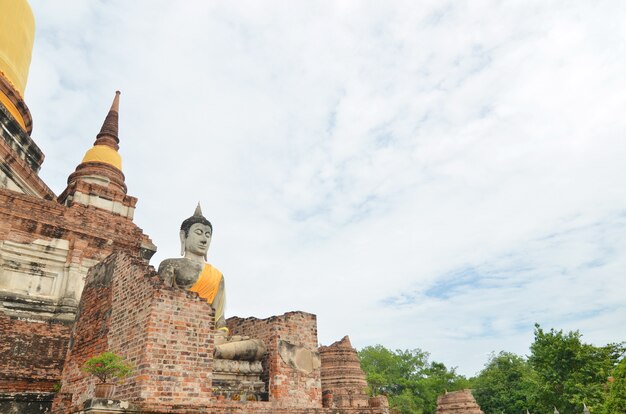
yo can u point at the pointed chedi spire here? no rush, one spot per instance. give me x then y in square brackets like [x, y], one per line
[98, 180]
[108, 132]
[105, 148]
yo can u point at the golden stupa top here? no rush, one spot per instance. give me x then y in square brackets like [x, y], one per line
[17, 34]
[103, 154]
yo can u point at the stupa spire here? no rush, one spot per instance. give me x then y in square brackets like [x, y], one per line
[110, 126]
[105, 148]
[98, 179]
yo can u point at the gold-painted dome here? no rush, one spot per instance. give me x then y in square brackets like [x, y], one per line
[105, 154]
[17, 34]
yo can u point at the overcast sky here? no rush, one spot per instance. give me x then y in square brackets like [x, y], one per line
[422, 174]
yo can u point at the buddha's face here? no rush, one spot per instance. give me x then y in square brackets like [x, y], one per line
[198, 239]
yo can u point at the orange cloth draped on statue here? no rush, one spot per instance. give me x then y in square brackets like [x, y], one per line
[207, 286]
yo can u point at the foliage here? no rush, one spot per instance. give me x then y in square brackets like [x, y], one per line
[616, 397]
[411, 382]
[561, 371]
[571, 373]
[107, 365]
[506, 384]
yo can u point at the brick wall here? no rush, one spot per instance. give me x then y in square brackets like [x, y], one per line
[25, 218]
[165, 333]
[35, 329]
[31, 354]
[90, 331]
[286, 386]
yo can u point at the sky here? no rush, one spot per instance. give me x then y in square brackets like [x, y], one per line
[438, 175]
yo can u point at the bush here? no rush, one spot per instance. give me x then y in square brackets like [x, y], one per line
[107, 365]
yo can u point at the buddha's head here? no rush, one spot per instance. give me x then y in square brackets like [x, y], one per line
[195, 236]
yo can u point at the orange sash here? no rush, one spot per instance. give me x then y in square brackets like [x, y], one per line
[208, 283]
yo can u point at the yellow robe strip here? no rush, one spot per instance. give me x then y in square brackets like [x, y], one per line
[207, 286]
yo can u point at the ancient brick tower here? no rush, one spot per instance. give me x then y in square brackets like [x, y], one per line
[458, 402]
[343, 380]
[48, 243]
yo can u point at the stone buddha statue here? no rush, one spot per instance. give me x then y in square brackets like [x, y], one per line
[193, 273]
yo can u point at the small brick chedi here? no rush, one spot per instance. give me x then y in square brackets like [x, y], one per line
[75, 281]
[458, 402]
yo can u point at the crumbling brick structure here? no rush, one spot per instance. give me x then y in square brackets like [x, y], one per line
[289, 382]
[166, 333]
[343, 380]
[458, 402]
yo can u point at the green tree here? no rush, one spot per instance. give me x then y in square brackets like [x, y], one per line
[507, 384]
[616, 398]
[411, 382]
[106, 366]
[569, 371]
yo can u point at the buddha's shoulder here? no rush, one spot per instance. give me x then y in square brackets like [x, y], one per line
[179, 264]
[180, 271]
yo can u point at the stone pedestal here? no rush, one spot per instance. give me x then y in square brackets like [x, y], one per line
[238, 380]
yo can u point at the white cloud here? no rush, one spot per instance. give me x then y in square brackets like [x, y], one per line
[352, 152]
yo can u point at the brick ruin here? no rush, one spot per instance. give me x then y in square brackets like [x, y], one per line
[166, 333]
[458, 402]
[343, 380]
